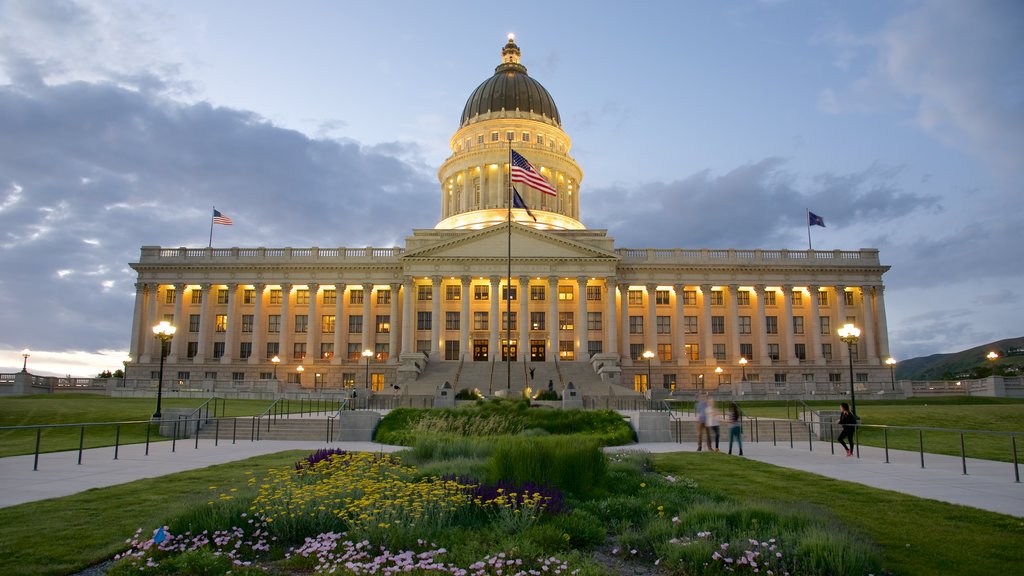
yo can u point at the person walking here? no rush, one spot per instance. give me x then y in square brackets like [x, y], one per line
[848, 420]
[735, 427]
[711, 423]
[699, 411]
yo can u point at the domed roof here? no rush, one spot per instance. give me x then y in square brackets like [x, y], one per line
[511, 88]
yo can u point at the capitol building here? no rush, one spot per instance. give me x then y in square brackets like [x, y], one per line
[496, 297]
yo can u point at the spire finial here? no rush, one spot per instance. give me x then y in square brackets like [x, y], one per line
[510, 53]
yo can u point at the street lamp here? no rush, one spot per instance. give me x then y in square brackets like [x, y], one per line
[891, 363]
[24, 364]
[163, 332]
[718, 370]
[992, 356]
[367, 354]
[275, 361]
[316, 381]
[648, 355]
[743, 365]
[300, 370]
[124, 373]
[850, 334]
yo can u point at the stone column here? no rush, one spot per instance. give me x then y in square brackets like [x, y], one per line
[179, 343]
[844, 350]
[408, 315]
[524, 318]
[553, 318]
[312, 324]
[869, 326]
[369, 323]
[733, 326]
[394, 346]
[284, 336]
[611, 323]
[464, 318]
[138, 324]
[762, 328]
[624, 320]
[205, 324]
[789, 355]
[149, 345]
[581, 353]
[259, 326]
[705, 353]
[340, 325]
[680, 330]
[815, 329]
[651, 324]
[233, 327]
[435, 318]
[494, 322]
[883, 329]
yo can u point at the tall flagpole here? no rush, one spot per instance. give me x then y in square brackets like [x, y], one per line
[508, 291]
[211, 227]
[807, 220]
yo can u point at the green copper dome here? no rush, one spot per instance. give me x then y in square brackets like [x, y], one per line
[510, 89]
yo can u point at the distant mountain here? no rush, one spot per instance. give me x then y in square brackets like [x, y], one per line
[967, 362]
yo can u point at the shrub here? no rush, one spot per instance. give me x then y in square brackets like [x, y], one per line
[547, 395]
[578, 466]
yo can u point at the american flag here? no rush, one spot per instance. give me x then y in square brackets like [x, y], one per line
[219, 218]
[523, 172]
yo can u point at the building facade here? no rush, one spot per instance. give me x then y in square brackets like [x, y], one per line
[540, 289]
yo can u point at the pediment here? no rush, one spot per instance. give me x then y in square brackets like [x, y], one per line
[493, 243]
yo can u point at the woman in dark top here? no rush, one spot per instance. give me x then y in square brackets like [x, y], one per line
[848, 421]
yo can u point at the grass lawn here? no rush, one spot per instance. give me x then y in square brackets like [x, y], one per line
[64, 535]
[975, 413]
[80, 408]
[917, 536]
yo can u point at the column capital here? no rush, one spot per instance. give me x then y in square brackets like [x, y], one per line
[465, 280]
[840, 288]
[582, 280]
[787, 288]
[367, 287]
[312, 287]
[651, 287]
[395, 287]
[286, 287]
[705, 288]
[259, 286]
[495, 280]
[733, 288]
[812, 288]
[553, 279]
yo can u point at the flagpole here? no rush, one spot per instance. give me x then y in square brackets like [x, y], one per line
[508, 293]
[211, 227]
[807, 220]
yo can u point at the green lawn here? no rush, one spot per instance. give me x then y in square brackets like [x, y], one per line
[917, 536]
[82, 408]
[65, 535]
[999, 414]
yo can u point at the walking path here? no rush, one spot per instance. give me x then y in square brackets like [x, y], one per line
[987, 485]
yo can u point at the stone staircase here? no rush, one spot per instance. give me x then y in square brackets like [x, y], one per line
[308, 428]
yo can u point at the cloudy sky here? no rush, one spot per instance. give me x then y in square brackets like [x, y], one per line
[697, 124]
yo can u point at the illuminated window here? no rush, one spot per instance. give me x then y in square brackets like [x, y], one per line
[222, 296]
[453, 292]
[355, 296]
[275, 296]
[565, 293]
[635, 297]
[221, 321]
[383, 324]
[664, 324]
[716, 298]
[743, 297]
[327, 324]
[565, 321]
[662, 297]
[594, 293]
[384, 296]
[689, 297]
[301, 323]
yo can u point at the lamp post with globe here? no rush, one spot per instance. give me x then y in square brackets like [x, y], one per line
[891, 363]
[850, 334]
[648, 355]
[163, 332]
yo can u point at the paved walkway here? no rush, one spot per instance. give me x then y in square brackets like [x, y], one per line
[987, 485]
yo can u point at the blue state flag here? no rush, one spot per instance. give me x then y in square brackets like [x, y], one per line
[517, 202]
[815, 220]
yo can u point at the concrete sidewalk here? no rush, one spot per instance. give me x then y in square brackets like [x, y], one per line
[988, 485]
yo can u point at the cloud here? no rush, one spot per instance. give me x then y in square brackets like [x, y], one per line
[92, 171]
[755, 205]
[944, 62]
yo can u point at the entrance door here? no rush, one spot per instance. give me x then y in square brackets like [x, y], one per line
[507, 350]
[536, 350]
[480, 350]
